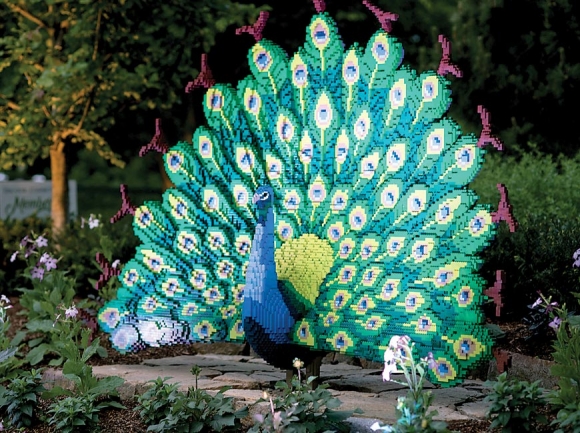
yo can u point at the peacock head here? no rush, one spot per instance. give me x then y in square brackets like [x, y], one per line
[264, 200]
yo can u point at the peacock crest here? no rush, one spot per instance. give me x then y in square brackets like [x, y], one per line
[324, 207]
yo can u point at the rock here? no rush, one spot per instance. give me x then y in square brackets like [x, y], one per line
[475, 409]
[450, 397]
[371, 405]
[220, 348]
[372, 384]
[268, 380]
[239, 380]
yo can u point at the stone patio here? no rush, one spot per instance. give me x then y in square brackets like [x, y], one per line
[248, 376]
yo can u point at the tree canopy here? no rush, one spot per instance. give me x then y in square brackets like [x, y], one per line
[67, 68]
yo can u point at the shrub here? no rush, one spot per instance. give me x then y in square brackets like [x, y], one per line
[74, 414]
[166, 409]
[76, 247]
[514, 404]
[546, 202]
[299, 408]
[536, 257]
[566, 399]
[538, 184]
[20, 398]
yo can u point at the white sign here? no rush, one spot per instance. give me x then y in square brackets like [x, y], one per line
[22, 198]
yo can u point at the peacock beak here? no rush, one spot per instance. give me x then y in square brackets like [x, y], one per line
[256, 198]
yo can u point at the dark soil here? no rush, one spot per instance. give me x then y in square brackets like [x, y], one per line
[516, 339]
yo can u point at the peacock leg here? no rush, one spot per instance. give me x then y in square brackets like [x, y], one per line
[313, 369]
[289, 376]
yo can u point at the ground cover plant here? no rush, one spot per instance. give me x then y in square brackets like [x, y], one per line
[301, 407]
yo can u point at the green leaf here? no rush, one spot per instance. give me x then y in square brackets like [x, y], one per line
[73, 367]
[107, 385]
[91, 350]
[18, 338]
[45, 326]
[36, 354]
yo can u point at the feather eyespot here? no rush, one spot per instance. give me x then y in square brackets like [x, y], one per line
[262, 60]
[465, 157]
[464, 297]
[350, 70]
[205, 147]
[320, 34]
[444, 370]
[131, 277]
[111, 317]
[300, 75]
[215, 99]
[444, 212]
[380, 51]
[389, 291]
[174, 160]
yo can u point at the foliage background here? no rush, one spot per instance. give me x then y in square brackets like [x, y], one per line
[519, 59]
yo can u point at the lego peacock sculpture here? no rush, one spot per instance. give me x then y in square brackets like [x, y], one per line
[323, 208]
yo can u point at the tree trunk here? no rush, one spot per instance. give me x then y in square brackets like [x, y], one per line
[58, 173]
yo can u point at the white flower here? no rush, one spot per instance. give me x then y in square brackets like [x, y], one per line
[4, 299]
[297, 363]
[41, 241]
[13, 256]
[93, 222]
[376, 426]
[115, 264]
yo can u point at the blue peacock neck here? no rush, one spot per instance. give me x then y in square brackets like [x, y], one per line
[266, 317]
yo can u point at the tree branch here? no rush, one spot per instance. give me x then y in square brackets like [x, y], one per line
[27, 15]
[12, 105]
[97, 31]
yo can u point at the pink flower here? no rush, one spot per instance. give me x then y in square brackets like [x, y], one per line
[37, 272]
[538, 302]
[431, 363]
[4, 299]
[41, 241]
[71, 312]
[50, 264]
[576, 257]
[555, 324]
[24, 241]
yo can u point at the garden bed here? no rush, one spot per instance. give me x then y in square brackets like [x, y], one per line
[128, 420]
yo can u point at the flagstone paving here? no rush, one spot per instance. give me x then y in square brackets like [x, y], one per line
[248, 376]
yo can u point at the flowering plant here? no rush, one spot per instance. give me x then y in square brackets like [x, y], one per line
[301, 408]
[32, 249]
[51, 296]
[8, 348]
[566, 398]
[412, 410]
